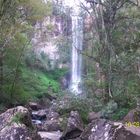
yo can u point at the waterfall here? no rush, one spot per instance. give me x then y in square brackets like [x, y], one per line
[77, 43]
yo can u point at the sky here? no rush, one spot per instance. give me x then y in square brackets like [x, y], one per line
[73, 3]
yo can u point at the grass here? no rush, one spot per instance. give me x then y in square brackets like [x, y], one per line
[17, 118]
[30, 85]
[37, 83]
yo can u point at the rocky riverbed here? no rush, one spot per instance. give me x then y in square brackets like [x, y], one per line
[46, 123]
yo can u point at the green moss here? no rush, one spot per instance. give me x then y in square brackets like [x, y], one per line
[30, 84]
[36, 83]
[20, 118]
[17, 118]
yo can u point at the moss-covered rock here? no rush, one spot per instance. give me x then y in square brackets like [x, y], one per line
[16, 124]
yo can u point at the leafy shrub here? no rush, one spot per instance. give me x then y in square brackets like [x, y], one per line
[119, 114]
[38, 61]
[81, 104]
[15, 96]
[82, 107]
[109, 109]
[2, 107]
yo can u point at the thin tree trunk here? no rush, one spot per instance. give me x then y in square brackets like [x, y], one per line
[16, 71]
[1, 69]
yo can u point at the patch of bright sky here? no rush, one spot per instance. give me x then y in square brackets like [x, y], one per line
[75, 4]
[71, 3]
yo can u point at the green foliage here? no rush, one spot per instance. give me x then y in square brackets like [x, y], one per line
[42, 62]
[76, 105]
[109, 109]
[57, 73]
[21, 84]
[36, 83]
[16, 20]
[2, 108]
[17, 118]
[82, 107]
[116, 50]
[20, 118]
[32, 85]
[119, 114]
[19, 95]
[81, 104]
[38, 61]
[38, 9]
[33, 80]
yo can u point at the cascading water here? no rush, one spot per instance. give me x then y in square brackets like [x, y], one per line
[77, 43]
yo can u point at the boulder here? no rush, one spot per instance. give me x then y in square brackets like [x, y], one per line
[50, 97]
[50, 135]
[132, 116]
[15, 124]
[50, 125]
[95, 130]
[93, 116]
[74, 126]
[39, 115]
[34, 106]
[52, 115]
[54, 105]
[127, 133]
[44, 103]
[102, 129]
[18, 132]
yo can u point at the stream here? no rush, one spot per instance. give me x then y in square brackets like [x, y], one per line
[39, 119]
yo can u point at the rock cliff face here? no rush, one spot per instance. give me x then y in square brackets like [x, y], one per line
[47, 34]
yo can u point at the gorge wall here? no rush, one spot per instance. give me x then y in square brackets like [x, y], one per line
[50, 32]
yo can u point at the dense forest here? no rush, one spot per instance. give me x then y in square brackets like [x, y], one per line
[68, 63]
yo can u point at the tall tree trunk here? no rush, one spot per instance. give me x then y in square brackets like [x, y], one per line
[1, 69]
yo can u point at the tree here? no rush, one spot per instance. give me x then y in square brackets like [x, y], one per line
[114, 44]
[16, 21]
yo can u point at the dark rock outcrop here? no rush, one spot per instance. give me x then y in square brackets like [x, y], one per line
[74, 126]
[39, 115]
[15, 124]
[95, 130]
[65, 80]
[93, 116]
[132, 116]
[102, 129]
[124, 133]
[46, 120]
[34, 106]
[50, 135]
[52, 115]
[51, 125]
